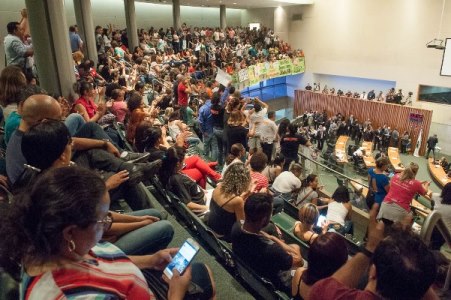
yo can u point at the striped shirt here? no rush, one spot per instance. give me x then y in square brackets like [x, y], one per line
[108, 275]
[262, 181]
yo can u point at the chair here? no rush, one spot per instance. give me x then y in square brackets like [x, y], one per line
[120, 128]
[432, 220]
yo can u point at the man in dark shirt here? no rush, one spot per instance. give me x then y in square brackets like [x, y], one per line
[267, 255]
[432, 142]
[289, 145]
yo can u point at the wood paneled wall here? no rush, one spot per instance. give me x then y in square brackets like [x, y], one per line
[395, 116]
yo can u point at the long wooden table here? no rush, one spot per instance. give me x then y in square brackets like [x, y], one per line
[340, 149]
[437, 173]
[393, 156]
[368, 157]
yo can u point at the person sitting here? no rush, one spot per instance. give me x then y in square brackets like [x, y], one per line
[181, 184]
[288, 182]
[308, 217]
[227, 201]
[399, 266]
[86, 106]
[443, 162]
[48, 145]
[266, 254]
[258, 163]
[327, 254]
[119, 106]
[138, 114]
[275, 168]
[53, 232]
[308, 193]
[236, 155]
[339, 211]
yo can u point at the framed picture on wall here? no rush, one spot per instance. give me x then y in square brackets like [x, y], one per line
[435, 94]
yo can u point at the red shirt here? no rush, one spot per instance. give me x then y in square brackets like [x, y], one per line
[262, 181]
[88, 104]
[330, 288]
[402, 192]
[182, 95]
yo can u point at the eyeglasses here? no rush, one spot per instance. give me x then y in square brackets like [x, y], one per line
[107, 222]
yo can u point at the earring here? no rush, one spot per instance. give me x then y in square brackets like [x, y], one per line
[71, 246]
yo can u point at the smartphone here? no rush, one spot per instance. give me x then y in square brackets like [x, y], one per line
[321, 220]
[183, 257]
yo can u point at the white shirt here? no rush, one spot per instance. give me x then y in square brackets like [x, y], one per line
[336, 213]
[267, 130]
[286, 182]
[443, 209]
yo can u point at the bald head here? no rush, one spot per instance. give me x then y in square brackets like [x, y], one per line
[38, 107]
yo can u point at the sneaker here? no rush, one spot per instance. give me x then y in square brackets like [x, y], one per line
[133, 157]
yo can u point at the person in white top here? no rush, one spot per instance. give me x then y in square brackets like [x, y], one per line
[339, 211]
[255, 116]
[288, 181]
[267, 130]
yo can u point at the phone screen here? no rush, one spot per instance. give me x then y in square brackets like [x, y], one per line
[321, 220]
[183, 258]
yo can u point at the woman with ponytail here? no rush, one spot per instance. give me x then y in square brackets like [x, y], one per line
[403, 187]
[275, 168]
[308, 192]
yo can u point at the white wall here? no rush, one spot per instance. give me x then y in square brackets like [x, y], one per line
[264, 16]
[156, 15]
[381, 39]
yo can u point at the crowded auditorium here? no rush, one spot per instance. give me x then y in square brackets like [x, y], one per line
[212, 149]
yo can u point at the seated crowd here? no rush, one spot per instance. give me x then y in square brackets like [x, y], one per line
[63, 235]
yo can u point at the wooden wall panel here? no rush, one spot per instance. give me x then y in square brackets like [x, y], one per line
[395, 116]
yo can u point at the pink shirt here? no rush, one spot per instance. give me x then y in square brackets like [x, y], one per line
[402, 193]
[119, 109]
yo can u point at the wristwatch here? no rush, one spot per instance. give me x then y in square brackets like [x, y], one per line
[366, 252]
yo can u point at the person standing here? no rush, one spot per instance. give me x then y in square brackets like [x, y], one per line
[183, 90]
[320, 137]
[206, 126]
[76, 44]
[268, 134]
[15, 50]
[432, 142]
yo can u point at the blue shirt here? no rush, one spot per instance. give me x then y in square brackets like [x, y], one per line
[205, 118]
[382, 181]
[224, 96]
[75, 41]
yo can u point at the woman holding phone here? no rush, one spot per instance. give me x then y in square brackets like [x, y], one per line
[53, 232]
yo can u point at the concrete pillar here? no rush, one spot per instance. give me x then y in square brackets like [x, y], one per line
[52, 53]
[130, 19]
[281, 23]
[176, 14]
[86, 29]
[222, 16]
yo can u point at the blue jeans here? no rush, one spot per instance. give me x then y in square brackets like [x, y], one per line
[74, 122]
[210, 146]
[218, 133]
[148, 239]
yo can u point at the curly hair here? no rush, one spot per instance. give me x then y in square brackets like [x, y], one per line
[236, 179]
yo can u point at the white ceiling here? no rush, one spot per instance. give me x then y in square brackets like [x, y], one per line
[234, 3]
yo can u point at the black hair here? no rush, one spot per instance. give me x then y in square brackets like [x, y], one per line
[258, 206]
[235, 151]
[309, 179]
[216, 99]
[44, 143]
[258, 161]
[278, 159]
[139, 85]
[283, 126]
[341, 194]
[257, 106]
[147, 136]
[32, 229]
[271, 114]
[11, 27]
[84, 86]
[134, 102]
[292, 129]
[173, 156]
[405, 268]
[72, 28]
